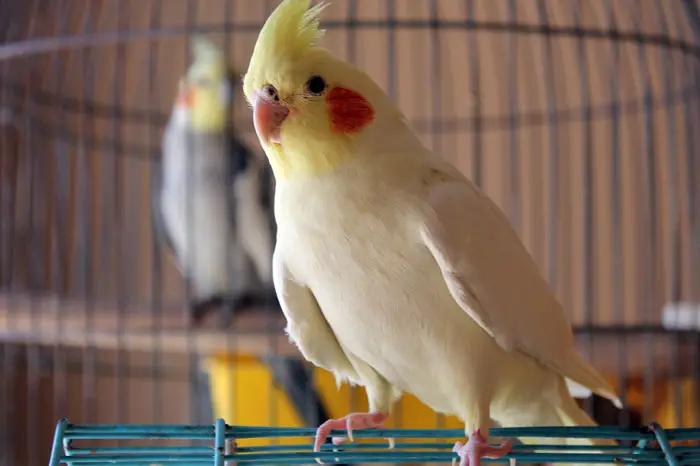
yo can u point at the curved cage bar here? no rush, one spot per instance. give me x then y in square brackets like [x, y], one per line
[578, 118]
[649, 445]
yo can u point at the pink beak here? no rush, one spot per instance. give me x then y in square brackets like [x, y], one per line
[268, 116]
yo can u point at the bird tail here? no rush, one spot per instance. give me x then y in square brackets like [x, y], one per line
[581, 372]
[566, 413]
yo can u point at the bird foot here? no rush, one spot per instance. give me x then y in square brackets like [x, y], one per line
[470, 453]
[201, 308]
[228, 306]
[350, 422]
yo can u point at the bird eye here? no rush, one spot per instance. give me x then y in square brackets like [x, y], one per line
[269, 92]
[316, 85]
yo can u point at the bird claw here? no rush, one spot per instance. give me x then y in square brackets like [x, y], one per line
[470, 453]
[350, 422]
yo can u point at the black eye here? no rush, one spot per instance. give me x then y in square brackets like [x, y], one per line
[316, 85]
[270, 93]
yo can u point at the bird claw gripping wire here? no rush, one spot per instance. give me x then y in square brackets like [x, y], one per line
[656, 440]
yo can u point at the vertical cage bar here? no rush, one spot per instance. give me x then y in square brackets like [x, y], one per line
[648, 289]
[228, 48]
[4, 281]
[588, 286]
[391, 64]
[156, 291]
[351, 50]
[392, 86]
[6, 123]
[692, 15]
[10, 352]
[514, 204]
[616, 297]
[57, 445]
[282, 369]
[475, 94]
[693, 213]
[351, 42]
[86, 244]
[191, 24]
[550, 89]
[219, 442]
[60, 386]
[436, 103]
[205, 382]
[675, 278]
[690, 115]
[121, 373]
[33, 235]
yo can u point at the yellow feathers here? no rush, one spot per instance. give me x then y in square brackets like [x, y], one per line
[206, 53]
[207, 80]
[289, 34]
[313, 141]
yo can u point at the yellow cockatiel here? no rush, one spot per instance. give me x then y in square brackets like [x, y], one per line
[394, 271]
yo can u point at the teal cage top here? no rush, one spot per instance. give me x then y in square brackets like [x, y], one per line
[650, 445]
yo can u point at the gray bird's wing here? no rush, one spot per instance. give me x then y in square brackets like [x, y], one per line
[160, 229]
[252, 209]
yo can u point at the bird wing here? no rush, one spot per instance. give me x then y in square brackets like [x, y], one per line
[254, 229]
[306, 325]
[496, 282]
[160, 228]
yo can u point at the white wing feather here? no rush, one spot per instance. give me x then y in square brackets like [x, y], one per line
[306, 325]
[496, 282]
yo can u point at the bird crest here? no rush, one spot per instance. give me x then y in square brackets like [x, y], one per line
[292, 29]
[207, 58]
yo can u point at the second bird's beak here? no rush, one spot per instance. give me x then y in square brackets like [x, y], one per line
[268, 116]
[185, 95]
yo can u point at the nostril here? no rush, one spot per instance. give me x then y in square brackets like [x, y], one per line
[282, 112]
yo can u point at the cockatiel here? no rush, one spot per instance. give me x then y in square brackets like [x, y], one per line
[394, 271]
[208, 206]
[207, 201]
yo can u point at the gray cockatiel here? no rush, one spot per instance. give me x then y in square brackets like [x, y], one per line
[208, 197]
[211, 210]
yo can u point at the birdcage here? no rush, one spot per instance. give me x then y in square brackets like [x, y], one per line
[576, 117]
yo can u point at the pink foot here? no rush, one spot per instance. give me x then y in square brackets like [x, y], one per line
[349, 422]
[476, 448]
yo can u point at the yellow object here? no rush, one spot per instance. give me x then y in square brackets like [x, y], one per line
[285, 56]
[208, 81]
[244, 394]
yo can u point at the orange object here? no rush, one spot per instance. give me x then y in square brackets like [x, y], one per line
[673, 412]
[184, 95]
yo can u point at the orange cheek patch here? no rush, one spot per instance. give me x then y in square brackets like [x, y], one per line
[185, 98]
[350, 112]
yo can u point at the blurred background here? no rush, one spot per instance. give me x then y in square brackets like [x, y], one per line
[578, 118]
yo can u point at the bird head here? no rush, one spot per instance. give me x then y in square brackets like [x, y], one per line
[310, 109]
[204, 94]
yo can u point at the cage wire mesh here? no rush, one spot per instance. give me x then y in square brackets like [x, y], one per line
[578, 118]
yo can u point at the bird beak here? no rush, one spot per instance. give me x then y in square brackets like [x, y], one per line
[184, 95]
[268, 116]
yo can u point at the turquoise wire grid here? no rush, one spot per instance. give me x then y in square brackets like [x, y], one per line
[650, 445]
